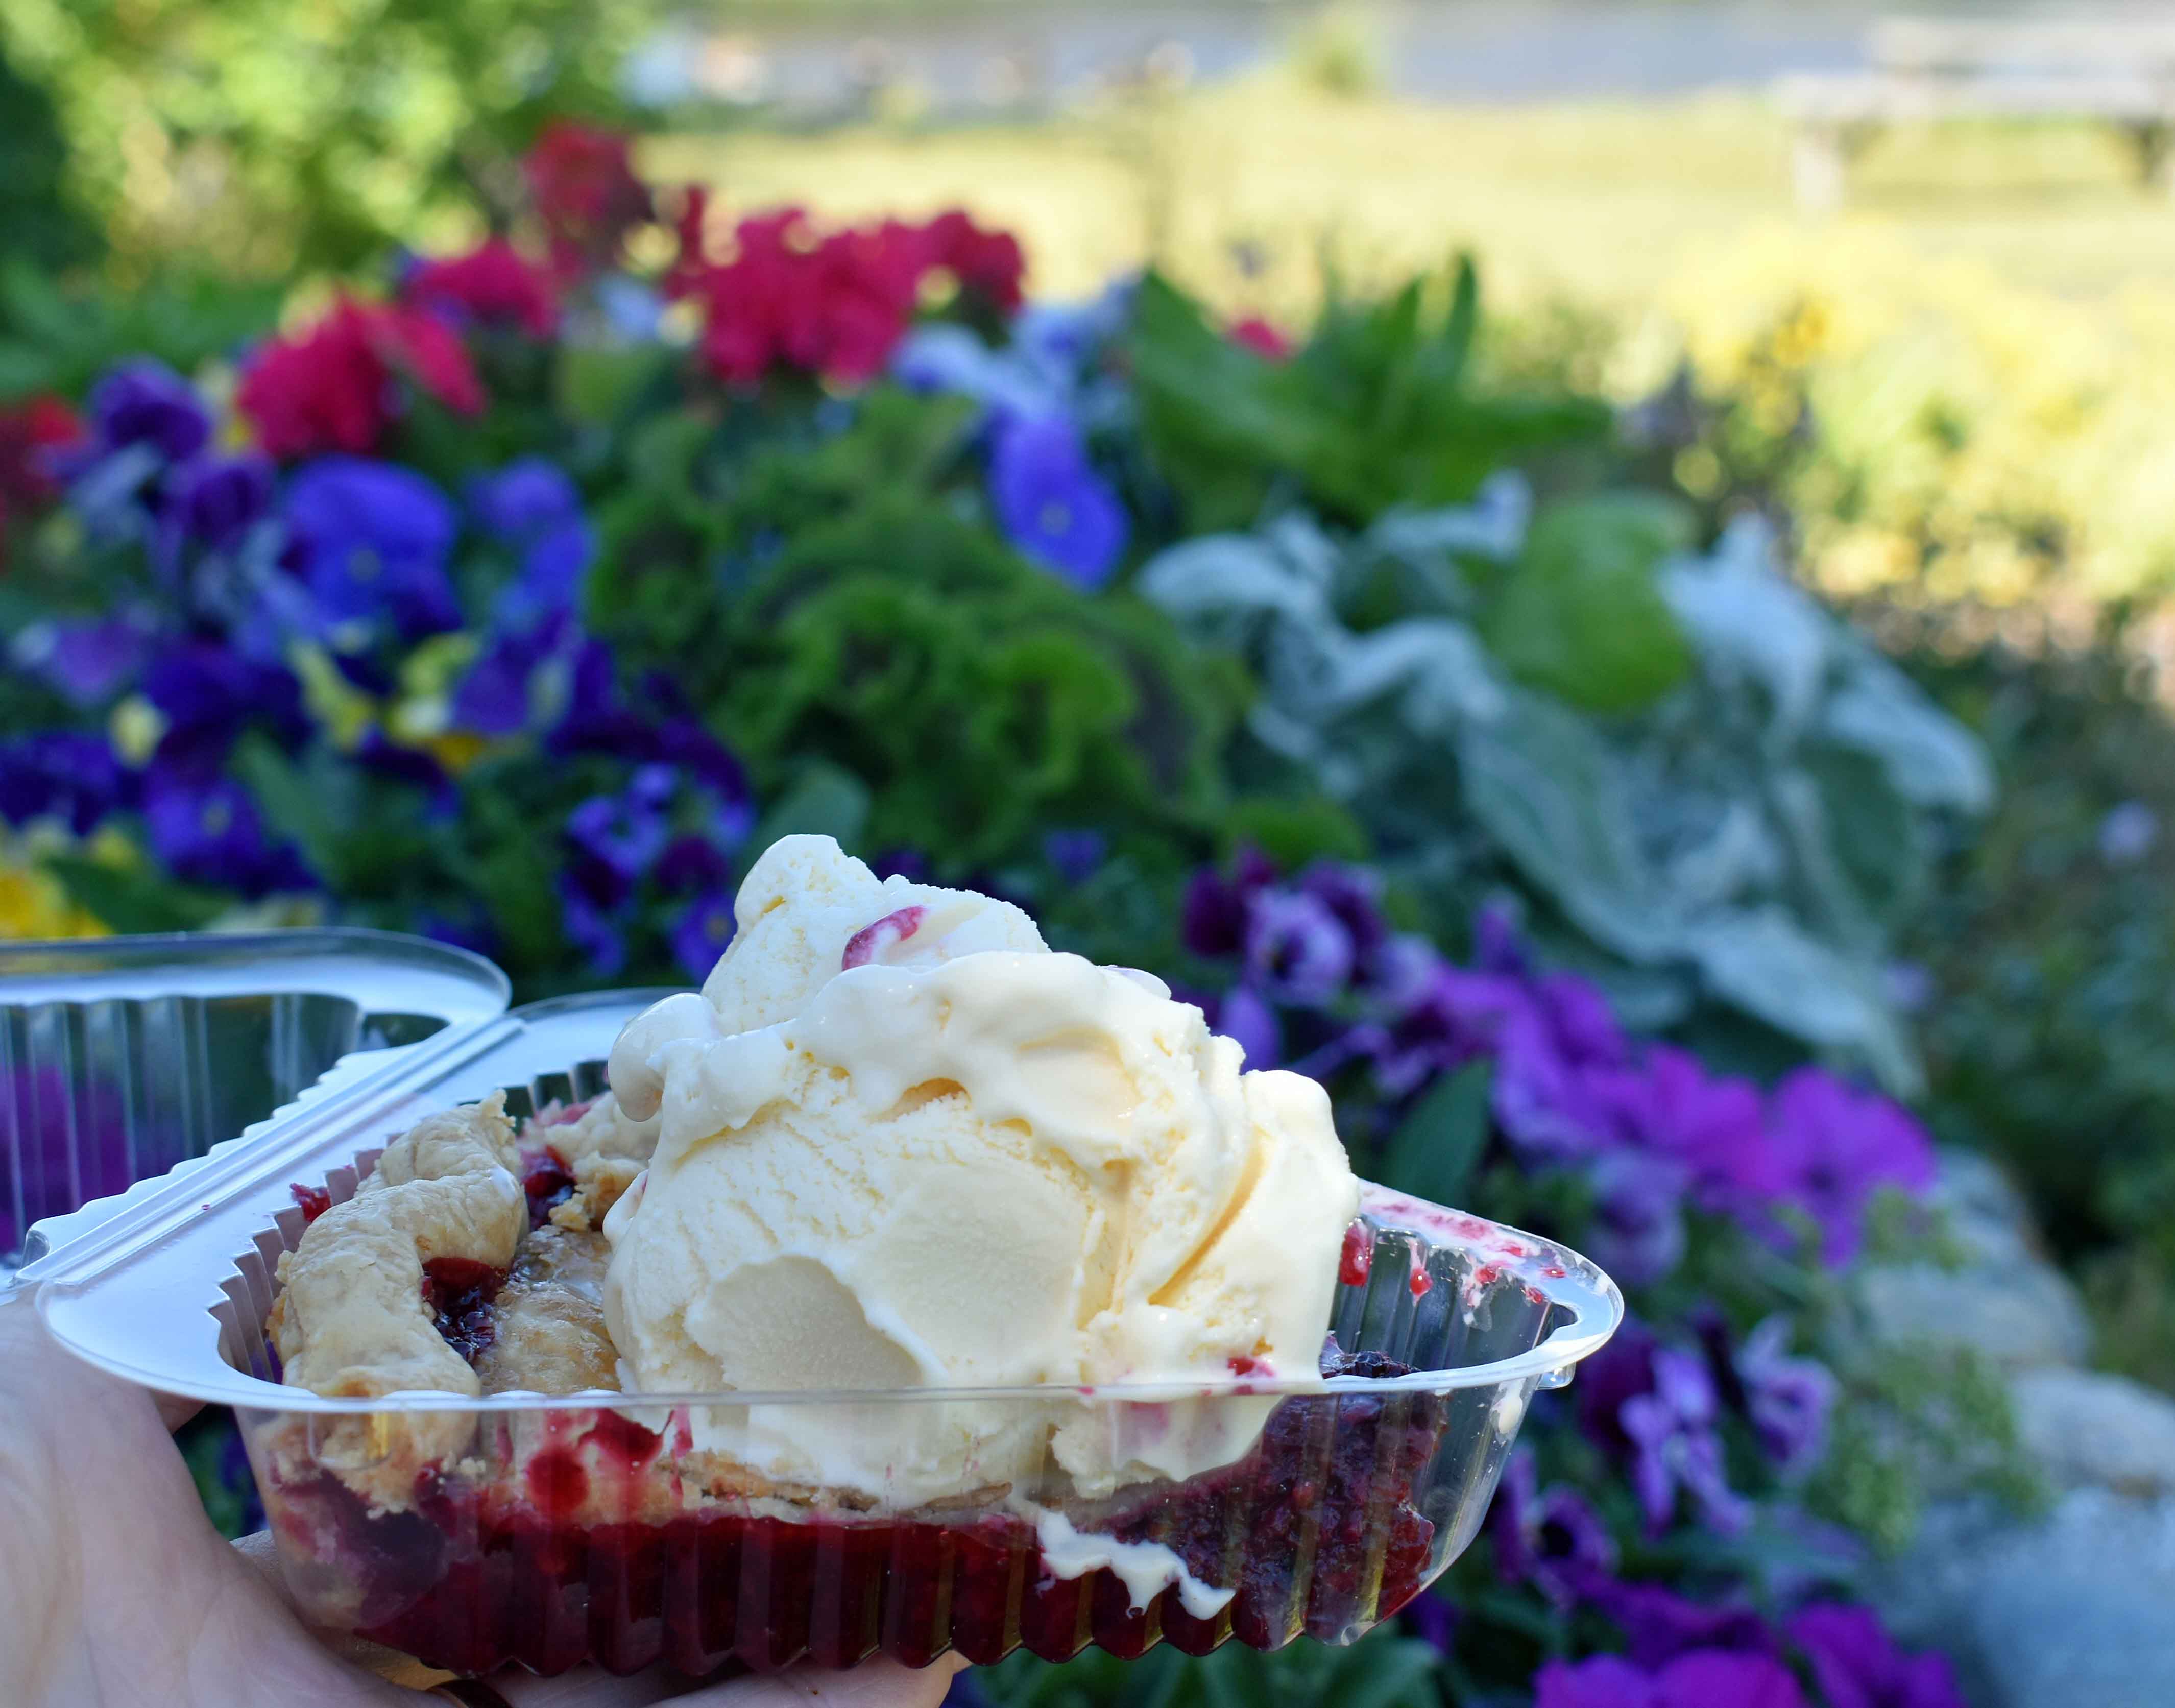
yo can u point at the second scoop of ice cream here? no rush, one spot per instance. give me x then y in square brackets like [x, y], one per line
[895, 1156]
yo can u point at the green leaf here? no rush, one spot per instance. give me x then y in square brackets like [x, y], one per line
[1432, 1153]
[827, 800]
[135, 902]
[1582, 615]
[313, 808]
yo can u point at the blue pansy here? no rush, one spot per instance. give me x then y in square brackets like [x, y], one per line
[371, 541]
[211, 833]
[704, 932]
[60, 774]
[146, 403]
[1052, 504]
[533, 506]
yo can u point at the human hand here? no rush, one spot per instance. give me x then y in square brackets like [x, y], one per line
[115, 1589]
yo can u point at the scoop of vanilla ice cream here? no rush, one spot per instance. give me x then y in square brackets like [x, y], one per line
[904, 1145]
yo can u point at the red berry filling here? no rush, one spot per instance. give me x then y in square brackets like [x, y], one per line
[547, 1181]
[459, 1291]
[1314, 1529]
[314, 1200]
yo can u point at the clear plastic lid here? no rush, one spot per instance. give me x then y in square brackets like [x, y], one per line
[123, 1057]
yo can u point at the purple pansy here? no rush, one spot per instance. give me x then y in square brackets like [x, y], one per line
[625, 832]
[591, 929]
[1051, 503]
[704, 932]
[1674, 1447]
[1213, 920]
[383, 757]
[1075, 855]
[506, 689]
[370, 542]
[1638, 1230]
[88, 663]
[1857, 1664]
[532, 505]
[1788, 1399]
[1244, 1016]
[146, 403]
[212, 502]
[61, 774]
[1434, 1621]
[1552, 1540]
[208, 693]
[211, 833]
[1297, 949]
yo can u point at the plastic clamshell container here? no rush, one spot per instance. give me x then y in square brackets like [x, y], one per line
[121, 1057]
[555, 1531]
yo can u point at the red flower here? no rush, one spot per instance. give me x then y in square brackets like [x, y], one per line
[333, 388]
[492, 283]
[1263, 339]
[833, 305]
[989, 264]
[586, 193]
[29, 433]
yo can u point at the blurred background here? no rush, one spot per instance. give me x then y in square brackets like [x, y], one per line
[1886, 302]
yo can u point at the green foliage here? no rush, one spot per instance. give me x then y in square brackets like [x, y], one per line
[1580, 615]
[271, 134]
[44, 230]
[1378, 410]
[60, 336]
[833, 601]
[1384, 1671]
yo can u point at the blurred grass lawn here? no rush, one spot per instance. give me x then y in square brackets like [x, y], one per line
[1601, 204]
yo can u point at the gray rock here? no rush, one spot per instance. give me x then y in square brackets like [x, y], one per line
[2078, 1607]
[2018, 1316]
[1985, 1213]
[2087, 1429]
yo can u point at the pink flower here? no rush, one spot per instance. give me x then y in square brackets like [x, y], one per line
[583, 182]
[334, 387]
[1260, 336]
[493, 283]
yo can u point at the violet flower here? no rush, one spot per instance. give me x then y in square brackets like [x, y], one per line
[1075, 855]
[704, 932]
[211, 833]
[625, 832]
[212, 502]
[1213, 918]
[144, 402]
[1659, 1625]
[61, 774]
[1706, 1679]
[1788, 1399]
[1857, 1664]
[1671, 1431]
[208, 694]
[1051, 503]
[591, 930]
[1840, 1146]
[371, 541]
[1297, 951]
[1552, 1540]
[85, 663]
[1242, 1015]
[1638, 1230]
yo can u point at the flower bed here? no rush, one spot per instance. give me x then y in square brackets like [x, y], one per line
[519, 603]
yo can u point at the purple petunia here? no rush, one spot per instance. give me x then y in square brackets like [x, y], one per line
[1839, 1146]
[1857, 1664]
[1659, 1625]
[370, 542]
[1051, 503]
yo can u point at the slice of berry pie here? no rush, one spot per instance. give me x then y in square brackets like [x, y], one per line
[469, 1262]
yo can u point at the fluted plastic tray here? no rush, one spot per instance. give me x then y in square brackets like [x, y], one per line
[578, 1528]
